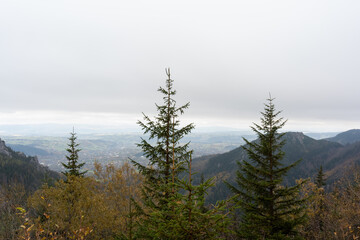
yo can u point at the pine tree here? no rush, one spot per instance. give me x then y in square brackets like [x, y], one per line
[320, 180]
[72, 167]
[268, 209]
[171, 205]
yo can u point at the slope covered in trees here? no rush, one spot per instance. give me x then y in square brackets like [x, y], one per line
[20, 175]
[16, 167]
[348, 137]
[333, 156]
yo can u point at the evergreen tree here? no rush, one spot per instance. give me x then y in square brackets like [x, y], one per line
[72, 167]
[197, 221]
[171, 204]
[320, 180]
[268, 209]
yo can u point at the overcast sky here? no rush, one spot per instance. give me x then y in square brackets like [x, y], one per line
[101, 62]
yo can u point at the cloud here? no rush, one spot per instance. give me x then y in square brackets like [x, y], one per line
[226, 56]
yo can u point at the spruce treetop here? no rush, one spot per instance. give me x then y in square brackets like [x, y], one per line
[172, 207]
[73, 167]
[167, 156]
[269, 210]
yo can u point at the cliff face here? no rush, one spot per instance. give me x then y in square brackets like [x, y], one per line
[4, 149]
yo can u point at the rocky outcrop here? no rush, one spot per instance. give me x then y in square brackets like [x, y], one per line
[4, 149]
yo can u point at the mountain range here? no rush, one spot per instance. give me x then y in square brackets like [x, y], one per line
[334, 154]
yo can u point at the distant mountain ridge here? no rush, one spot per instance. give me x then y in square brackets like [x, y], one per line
[331, 155]
[29, 150]
[348, 137]
[16, 167]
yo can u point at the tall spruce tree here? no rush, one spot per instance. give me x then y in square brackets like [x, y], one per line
[268, 209]
[73, 167]
[172, 205]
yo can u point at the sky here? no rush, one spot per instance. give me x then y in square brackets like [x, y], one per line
[101, 62]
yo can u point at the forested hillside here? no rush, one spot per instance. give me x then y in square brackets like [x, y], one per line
[347, 137]
[334, 157]
[16, 167]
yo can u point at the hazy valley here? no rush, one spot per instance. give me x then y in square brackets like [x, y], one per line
[115, 148]
[118, 148]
